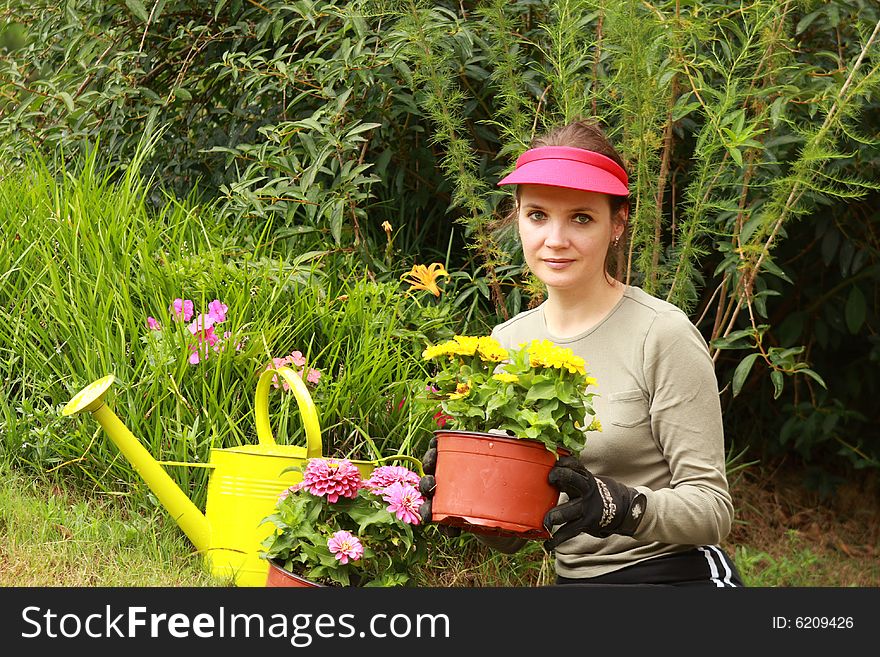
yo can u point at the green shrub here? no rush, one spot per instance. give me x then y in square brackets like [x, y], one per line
[750, 133]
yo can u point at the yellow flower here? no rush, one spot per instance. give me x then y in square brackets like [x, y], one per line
[543, 353]
[387, 228]
[421, 277]
[435, 351]
[505, 377]
[464, 345]
[461, 390]
[539, 352]
[490, 349]
[575, 364]
[460, 345]
[595, 425]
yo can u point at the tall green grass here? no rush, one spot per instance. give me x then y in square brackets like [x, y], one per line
[89, 253]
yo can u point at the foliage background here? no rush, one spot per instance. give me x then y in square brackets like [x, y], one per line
[262, 146]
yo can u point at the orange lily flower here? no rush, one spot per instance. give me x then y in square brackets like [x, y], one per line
[421, 277]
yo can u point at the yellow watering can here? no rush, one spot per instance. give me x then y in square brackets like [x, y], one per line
[243, 486]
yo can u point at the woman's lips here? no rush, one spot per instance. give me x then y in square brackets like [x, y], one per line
[557, 263]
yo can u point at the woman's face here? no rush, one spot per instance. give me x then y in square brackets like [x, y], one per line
[566, 234]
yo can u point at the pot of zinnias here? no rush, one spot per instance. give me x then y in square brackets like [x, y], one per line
[511, 414]
[335, 528]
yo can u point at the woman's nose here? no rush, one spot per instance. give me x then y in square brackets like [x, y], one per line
[556, 234]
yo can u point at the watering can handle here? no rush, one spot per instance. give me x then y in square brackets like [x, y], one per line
[307, 410]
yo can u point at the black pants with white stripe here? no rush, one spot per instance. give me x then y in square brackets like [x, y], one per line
[707, 565]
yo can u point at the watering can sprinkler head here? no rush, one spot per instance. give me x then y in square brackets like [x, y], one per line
[90, 398]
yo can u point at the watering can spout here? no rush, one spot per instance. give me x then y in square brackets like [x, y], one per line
[187, 515]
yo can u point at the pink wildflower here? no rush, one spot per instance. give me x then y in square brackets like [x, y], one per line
[276, 364]
[182, 309]
[385, 475]
[217, 310]
[207, 340]
[200, 351]
[332, 477]
[153, 324]
[202, 324]
[345, 546]
[404, 500]
[297, 359]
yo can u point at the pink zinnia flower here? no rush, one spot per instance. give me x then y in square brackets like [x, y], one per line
[345, 546]
[404, 501]
[217, 310]
[182, 309]
[153, 324]
[332, 477]
[313, 376]
[385, 475]
[297, 358]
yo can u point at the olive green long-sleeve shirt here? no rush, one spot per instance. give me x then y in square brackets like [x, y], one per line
[657, 400]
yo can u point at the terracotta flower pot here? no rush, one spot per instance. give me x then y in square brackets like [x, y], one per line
[279, 577]
[493, 485]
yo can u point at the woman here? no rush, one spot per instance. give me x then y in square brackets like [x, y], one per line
[647, 501]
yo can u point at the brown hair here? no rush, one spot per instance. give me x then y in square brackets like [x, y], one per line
[586, 134]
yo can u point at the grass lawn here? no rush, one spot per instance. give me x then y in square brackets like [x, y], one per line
[785, 536]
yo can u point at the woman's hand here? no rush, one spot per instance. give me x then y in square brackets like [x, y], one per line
[599, 506]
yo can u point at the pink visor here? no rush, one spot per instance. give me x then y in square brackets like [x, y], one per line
[574, 168]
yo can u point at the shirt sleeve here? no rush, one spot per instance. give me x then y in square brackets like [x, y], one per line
[686, 422]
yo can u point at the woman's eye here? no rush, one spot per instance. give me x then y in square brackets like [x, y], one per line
[536, 215]
[582, 218]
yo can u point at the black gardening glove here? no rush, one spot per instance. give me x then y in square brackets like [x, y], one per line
[599, 506]
[427, 484]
